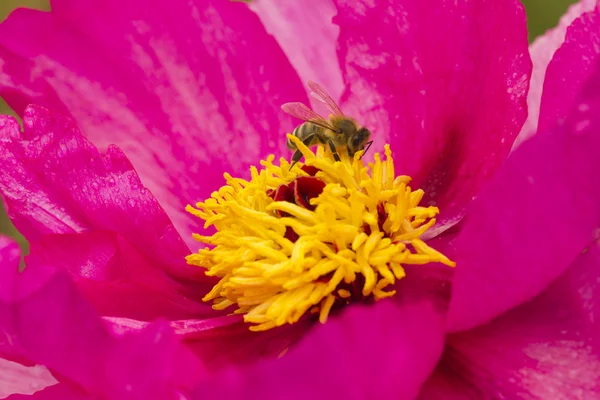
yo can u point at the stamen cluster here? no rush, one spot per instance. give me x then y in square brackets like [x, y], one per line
[290, 243]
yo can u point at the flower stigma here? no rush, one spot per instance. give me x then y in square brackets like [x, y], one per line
[298, 242]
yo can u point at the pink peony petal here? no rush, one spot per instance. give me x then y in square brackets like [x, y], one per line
[117, 279]
[19, 379]
[60, 391]
[431, 282]
[45, 320]
[223, 341]
[187, 89]
[304, 31]
[548, 348]
[227, 341]
[55, 182]
[444, 82]
[151, 365]
[532, 220]
[383, 351]
[570, 68]
[542, 50]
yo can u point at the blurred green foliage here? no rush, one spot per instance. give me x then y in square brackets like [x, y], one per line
[542, 15]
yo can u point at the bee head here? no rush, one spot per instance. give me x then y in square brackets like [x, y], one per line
[357, 142]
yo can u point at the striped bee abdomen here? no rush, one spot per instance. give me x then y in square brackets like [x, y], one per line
[303, 131]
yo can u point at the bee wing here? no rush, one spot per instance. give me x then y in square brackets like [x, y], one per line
[304, 113]
[321, 94]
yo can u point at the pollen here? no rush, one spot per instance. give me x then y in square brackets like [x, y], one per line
[300, 242]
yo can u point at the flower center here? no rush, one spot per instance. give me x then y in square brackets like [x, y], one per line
[298, 242]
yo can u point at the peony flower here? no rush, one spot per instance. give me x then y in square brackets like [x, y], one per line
[140, 111]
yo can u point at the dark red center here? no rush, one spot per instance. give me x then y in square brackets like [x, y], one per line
[381, 218]
[299, 192]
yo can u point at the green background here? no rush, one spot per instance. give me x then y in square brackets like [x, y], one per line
[542, 14]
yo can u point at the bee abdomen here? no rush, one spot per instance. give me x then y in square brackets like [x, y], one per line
[302, 132]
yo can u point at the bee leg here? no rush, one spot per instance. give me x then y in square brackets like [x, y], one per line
[295, 158]
[298, 154]
[369, 143]
[336, 156]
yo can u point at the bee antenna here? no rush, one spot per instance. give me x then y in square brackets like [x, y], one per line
[369, 143]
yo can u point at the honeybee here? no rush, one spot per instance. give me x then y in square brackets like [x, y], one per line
[338, 132]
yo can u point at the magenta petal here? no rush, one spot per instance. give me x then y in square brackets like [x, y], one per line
[223, 341]
[16, 378]
[227, 341]
[444, 82]
[304, 31]
[151, 364]
[548, 348]
[60, 391]
[45, 320]
[384, 351]
[39, 308]
[542, 50]
[532, 220]
[188, 90]
[570, 68]
[55, 181]
[113, 275]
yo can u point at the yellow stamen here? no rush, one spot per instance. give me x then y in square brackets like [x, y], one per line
[278, 260]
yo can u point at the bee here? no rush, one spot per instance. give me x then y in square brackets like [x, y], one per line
[338, 132]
